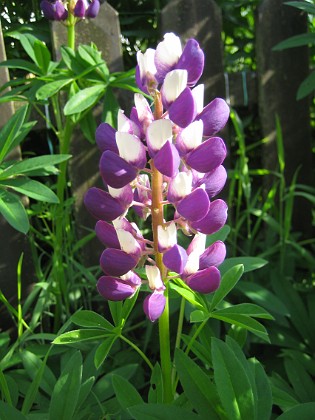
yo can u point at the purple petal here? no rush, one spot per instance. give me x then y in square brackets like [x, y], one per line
[115, 262]
[208, 156]
[106, 233]
[167, 160]
[48, 9]
[192, 60]
[213, 255]
[175, 259]
[105, 136]
[214, 181]
[153, 305]
[131, 149]
[93, 9]
[183, 110]
[194, 206]
[214, 116]
[124, 195]
[60, 11]
[205, 281]
[214, 220]
[141, 82]
[80, 8]
[113, 288]
[102, 205]
[115, 171]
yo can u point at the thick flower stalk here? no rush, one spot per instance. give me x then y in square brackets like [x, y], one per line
[61, 10]
[168, 157]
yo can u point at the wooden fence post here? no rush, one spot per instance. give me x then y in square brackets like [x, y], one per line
[13, 243]
[279, 75]
[104, 31]
[202, 20]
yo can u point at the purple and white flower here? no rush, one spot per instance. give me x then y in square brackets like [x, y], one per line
[180, 143]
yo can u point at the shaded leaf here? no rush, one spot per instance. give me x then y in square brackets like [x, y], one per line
[13, 211]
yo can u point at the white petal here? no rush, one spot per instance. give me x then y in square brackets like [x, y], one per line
[192, 265]
[181, 184]
[125, 125]
[198, 95]
[198, 244]
[129, 146]
[192, 135]
[154, 277]
[116, 192]
[127, 242]
[175, 82]
[146, 62]
[169, 50]
[159, 132]
[167, 235]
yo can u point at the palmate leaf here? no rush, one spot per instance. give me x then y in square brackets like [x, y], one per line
[103, 350]
[302, 5]
[76, 336]
[125, 392]
[161, 412]
[198, 386]
[66, 392]
[295, 41]
[306, 87]
[301, 411]
[13, 211]
[232, 382]
[90, 319]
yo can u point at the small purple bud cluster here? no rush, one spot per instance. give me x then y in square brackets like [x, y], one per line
[59, 10]
[175, 155]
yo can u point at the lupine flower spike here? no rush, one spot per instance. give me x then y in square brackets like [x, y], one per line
[171, 156]
[80, 9]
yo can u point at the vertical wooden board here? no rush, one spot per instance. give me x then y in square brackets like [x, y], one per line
[202, 20]
[104, 31]
[12, 243]
[280, 74]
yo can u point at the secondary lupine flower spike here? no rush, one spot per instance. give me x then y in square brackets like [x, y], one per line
[169, 157]
[59, 10]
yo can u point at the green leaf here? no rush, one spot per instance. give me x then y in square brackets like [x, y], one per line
[42, 55]
[13, 211]
[115, 308]
[156, 393]
[306, 87]
[111, 107]
[125, 392]
[84, 99]
[66, 392]
[160, 412]
[244, 321]
[221, 235]
[197, 386]
[301, 411]
[32, 364]
[85, 318]
[88, 126]
[9, 413]
[249, 263]
[247, 309]
[228, 281]
[27, 41]
[77, 336]
[11, 130]
[264, 393]
[187, 293]
[103, 350]
[21, 64]
[198, 316]
[295, 41]
[30, 165]
[31, 188]
[232, 382]
[263, 296]
[301, 381]
[50, 89]
[302, 5]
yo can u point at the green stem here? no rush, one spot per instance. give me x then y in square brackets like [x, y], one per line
[179, 335]
[71, 31]
[144, 357]
[193, 338]
[165, 352]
